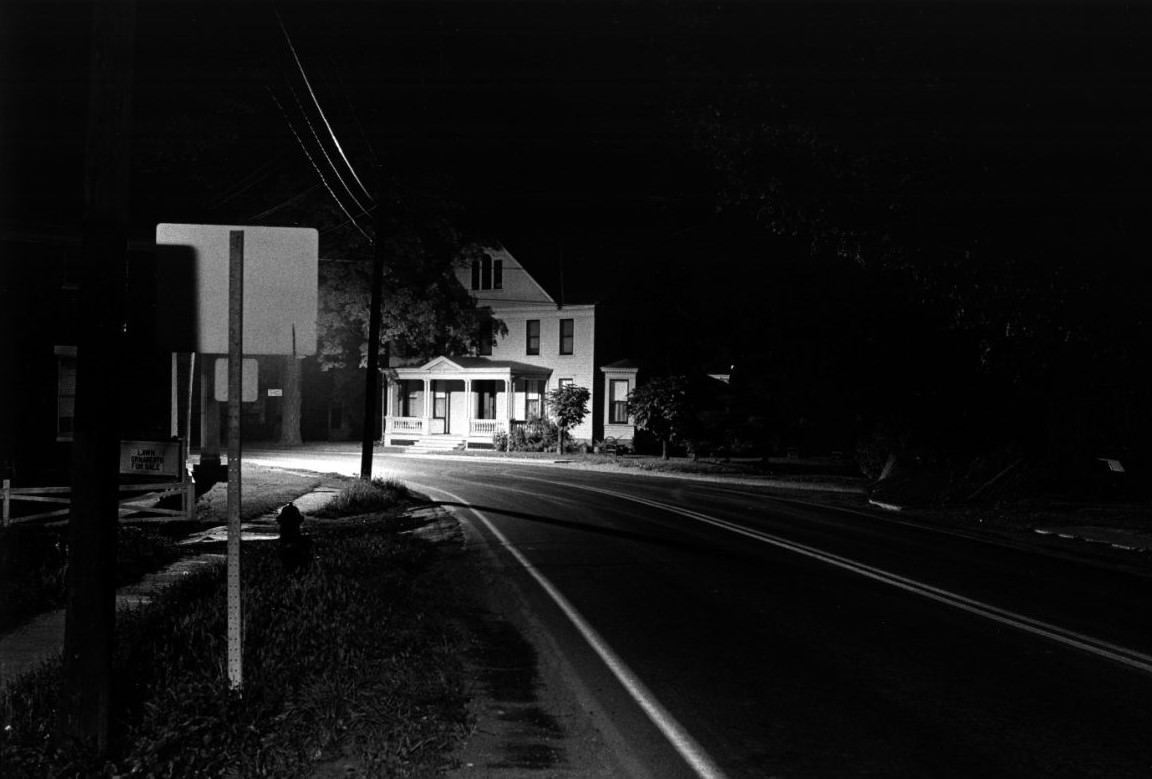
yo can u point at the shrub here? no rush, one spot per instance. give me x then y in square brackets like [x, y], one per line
[535, 435]
[361, 497]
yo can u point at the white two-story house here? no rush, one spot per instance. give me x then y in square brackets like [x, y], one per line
[462, 401]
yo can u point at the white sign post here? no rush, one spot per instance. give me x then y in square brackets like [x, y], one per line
[255, 292]
[235, 380]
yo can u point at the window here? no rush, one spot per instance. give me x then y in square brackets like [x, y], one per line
[533, 395]
[484, 342]
[563, 382]
[532, 337]
[567, 335]
[65, 392]
[487, 273]
[618, 402]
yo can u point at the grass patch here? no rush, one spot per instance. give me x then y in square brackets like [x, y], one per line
[361, 497]
[355, 661]
[263, 491]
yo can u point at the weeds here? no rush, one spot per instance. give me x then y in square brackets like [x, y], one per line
[33, 566]
[361, 497]
[353, 660]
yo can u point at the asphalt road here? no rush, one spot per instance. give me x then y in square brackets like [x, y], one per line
[726, 630]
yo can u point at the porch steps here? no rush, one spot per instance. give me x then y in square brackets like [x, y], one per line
[437, 443]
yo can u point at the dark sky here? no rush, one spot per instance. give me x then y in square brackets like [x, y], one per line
[579, 116]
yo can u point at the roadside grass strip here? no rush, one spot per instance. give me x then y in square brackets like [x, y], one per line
[684, 744]
[1123, 655]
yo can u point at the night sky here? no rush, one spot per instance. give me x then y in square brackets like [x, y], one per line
[582, 114]
[578, 133]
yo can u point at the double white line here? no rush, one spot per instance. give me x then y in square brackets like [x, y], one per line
[1119, 654]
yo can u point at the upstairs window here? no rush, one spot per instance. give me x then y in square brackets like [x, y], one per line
[618, 402]
[567, 335]
[532, 337]
[487, 273]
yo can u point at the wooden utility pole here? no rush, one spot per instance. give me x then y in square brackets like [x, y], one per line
[91, 605]
[372, 380]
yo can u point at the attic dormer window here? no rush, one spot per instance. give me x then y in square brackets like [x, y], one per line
[487, 273]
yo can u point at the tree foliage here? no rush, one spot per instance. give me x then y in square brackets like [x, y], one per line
[663, 406]
[569, 406]
[426, 311]
[1032, 277]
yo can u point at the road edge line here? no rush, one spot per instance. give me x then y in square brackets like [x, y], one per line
[684, 744]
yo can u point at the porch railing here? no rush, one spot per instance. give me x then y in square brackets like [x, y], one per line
[486, 426]
[413, 425]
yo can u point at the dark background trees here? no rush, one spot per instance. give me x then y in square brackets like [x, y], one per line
[898, 223]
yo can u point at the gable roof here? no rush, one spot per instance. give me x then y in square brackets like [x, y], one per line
[443, 363]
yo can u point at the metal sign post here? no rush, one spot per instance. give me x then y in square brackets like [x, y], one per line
[235, 378]
[235, 290]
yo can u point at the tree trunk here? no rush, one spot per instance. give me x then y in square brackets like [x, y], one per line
[290, 407]
[663, 448]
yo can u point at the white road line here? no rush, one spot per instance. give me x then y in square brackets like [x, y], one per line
[1129, 657]
[681, 740]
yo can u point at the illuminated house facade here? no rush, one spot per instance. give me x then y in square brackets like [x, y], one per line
[463, 401]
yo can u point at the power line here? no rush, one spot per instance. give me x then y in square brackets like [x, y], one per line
[323, 150]
[352, 108]
[308, 84]
[316, 167]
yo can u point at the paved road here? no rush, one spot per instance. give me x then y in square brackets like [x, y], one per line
[727, 631]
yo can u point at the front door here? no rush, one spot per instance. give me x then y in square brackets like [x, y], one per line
[442, 408]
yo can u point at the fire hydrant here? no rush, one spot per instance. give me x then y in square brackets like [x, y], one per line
[295, 546]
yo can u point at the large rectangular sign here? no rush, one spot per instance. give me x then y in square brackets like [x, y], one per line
[281, 284]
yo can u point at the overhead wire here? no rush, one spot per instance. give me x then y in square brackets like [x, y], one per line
[316, 167]
[315, 100]
[324, 150]
[352, 109]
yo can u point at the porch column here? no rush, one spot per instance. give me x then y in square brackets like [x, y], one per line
[426, 406]
[510, 398]
[469, 405]
[389, 409]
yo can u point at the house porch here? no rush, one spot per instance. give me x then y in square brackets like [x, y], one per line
[466, 399]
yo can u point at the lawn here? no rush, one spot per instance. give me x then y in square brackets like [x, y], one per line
[353, 661]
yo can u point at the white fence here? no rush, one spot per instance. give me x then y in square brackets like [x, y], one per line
[142, 500]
